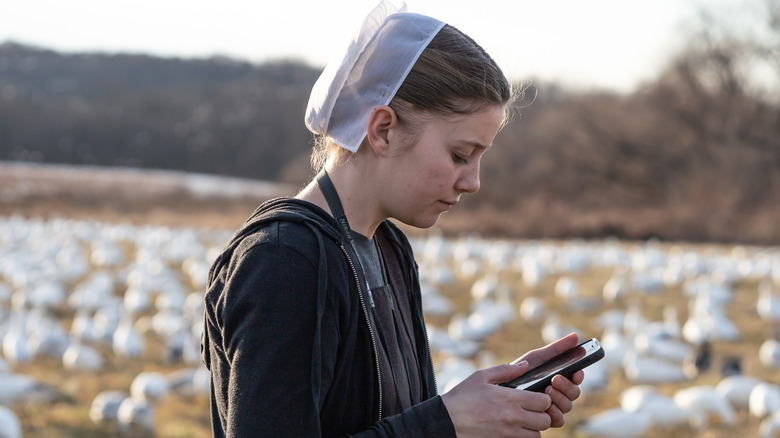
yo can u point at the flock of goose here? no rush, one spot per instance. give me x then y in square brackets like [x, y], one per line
[93, 296]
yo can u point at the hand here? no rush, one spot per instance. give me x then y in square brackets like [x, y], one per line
[563, 391]
[479, 407]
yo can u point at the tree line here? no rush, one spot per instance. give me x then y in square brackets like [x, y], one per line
[693, 154]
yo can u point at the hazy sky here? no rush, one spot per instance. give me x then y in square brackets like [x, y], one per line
[604, 43]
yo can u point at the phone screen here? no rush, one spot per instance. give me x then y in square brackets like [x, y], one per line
[555, 365]
[566, 363]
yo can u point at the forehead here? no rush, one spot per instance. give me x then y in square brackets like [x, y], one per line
[478, 128]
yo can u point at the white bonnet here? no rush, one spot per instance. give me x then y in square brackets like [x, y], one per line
[368, 72]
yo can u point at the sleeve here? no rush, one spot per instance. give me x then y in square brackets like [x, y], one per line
[269, 320]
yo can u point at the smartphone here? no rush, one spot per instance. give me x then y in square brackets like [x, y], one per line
[565, 364]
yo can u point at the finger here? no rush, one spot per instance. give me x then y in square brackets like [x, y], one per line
[536, 420]
[578, 377]
[566, 387]
[534, 401]
[559, 400]
[540, 355]
[504, 372]
[556, 416]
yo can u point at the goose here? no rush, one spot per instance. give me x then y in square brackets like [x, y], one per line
[617, 423]
[185, 382]
[532, 270]
[79, 357]
[105, 406]
[10, 427]
[83, 327]
[769, 352]
[616, 288]
[644, 369]
[699, 360]
[532, 309]
[16, 348]
[136, 416]
[615, 347]
[149, 385]
[764, 400]
[20, 387]
[126, 341]
[768, 304]
[736, 389]
[770, 426]
[485, 287]
[647, 399]
[566, 288]
[702, 402]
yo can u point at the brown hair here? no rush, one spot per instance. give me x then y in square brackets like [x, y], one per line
[454, 75]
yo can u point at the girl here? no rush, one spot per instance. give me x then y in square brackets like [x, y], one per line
[314, 324]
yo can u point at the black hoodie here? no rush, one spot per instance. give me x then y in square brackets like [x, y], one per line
[289, 340]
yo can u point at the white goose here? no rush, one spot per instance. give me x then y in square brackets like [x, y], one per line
[10, 427]
[769, 352]
[737, 388]
[768, 304]
[764, 400]
[105, 406]
[702, 402]
[617, 423]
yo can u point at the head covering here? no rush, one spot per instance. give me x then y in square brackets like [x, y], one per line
[368, 72]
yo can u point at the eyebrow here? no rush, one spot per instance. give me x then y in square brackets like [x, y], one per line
[475, 144]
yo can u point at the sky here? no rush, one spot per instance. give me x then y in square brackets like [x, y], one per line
[607, 44]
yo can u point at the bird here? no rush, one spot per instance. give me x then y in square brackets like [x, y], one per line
[736, 389]
[645, 369]
[770, 426]
[764, 400]
[82, 358]
[127, 341]
[149, 385]
[648, 399]
[532, 309]
[768, 304]
[617, 423]
[703, 402]
[16, 388]
[105, 406]
[769, 352]
[10, 426]
[136, 416]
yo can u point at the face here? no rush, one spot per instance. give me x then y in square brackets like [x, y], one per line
[429, 176]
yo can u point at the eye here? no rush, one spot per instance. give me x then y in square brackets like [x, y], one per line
[459, 159]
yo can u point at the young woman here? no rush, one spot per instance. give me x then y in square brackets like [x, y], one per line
[314, 325]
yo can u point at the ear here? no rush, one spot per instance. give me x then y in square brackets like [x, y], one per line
[381, 120]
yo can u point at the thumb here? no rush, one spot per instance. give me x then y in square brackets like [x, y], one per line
[504, 372]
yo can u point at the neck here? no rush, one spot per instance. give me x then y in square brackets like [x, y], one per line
[355, 191]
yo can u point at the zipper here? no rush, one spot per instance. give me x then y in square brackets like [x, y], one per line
[427, 342]
[370, 328]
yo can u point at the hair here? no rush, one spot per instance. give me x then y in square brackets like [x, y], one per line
[453, 75]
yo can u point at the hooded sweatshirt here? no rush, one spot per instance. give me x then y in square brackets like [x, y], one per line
[290, 340]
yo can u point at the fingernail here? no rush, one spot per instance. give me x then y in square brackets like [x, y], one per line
[522, 363]
[548, 390]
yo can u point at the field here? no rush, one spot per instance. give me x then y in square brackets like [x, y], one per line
[66, 229]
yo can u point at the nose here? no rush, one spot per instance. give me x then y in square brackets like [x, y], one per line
[469, 180]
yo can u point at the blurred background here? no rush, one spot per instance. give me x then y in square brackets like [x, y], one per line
[653, 119]
[633, 197]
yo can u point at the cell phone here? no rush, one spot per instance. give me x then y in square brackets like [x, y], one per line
[565, 364]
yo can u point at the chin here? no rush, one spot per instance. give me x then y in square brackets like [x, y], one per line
[422, 223]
